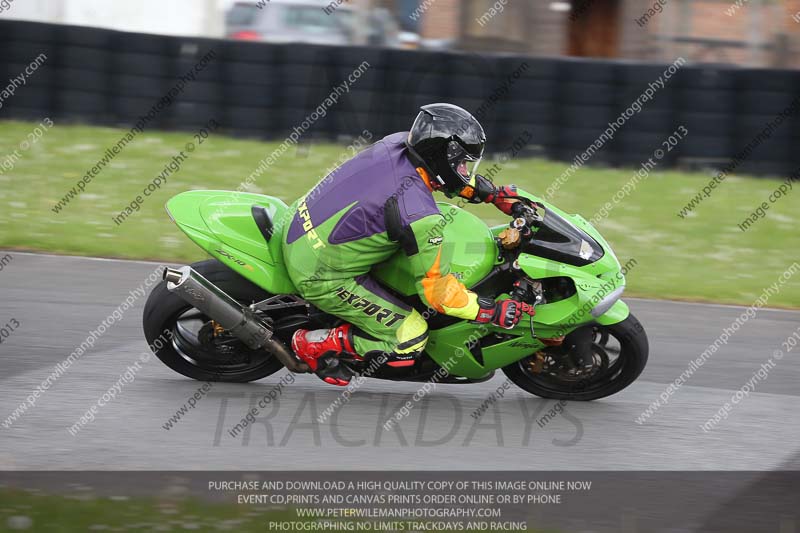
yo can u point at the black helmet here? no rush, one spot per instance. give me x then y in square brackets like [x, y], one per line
[448, 143]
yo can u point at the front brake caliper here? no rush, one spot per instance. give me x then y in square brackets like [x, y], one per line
[218, 329]
[537, 364]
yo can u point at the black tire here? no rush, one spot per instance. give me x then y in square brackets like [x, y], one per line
[163, 308]
[633, 354]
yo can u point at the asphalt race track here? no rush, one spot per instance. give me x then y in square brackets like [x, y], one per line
[58, 300]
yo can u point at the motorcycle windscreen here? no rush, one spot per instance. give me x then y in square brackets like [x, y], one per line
[562, 241]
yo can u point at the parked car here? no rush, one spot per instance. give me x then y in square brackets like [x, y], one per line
[283, 21]
[310, 21]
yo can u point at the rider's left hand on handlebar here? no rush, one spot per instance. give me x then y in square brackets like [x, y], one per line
[504, 198]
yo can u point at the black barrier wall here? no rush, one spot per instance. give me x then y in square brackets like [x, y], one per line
[560, 108]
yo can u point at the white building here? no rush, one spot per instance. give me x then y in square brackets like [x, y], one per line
[169, 17]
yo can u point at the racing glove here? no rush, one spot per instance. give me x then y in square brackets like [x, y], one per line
[505, 313]
[503, 197]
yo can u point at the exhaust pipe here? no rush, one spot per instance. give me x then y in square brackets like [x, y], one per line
[241, 321]
[286, 357]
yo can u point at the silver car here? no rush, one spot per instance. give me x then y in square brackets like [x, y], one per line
[284, 21]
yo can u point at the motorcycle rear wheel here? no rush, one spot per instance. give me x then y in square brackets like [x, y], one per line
[224, 358]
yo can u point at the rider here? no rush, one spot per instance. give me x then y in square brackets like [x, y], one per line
[374, 204]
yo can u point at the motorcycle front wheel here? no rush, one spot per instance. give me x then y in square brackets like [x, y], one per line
[618, 356]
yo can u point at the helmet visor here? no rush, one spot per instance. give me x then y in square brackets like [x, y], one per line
[463, 164]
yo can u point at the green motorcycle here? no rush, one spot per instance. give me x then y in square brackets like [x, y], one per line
[232, 317]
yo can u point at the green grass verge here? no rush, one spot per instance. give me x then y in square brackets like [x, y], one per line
[702, 257]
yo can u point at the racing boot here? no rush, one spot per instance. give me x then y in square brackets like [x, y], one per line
[321, 348]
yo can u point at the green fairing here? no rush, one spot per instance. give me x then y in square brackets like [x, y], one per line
[221, 223]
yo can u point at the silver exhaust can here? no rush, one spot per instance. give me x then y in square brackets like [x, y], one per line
[215, 303]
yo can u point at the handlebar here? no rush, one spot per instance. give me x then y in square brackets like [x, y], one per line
[527, 218]
[525, 215]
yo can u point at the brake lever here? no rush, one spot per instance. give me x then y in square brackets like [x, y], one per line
[522, 291]
[535, 216]
[529, 213]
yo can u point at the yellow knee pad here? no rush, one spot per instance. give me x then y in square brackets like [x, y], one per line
[412, 335]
